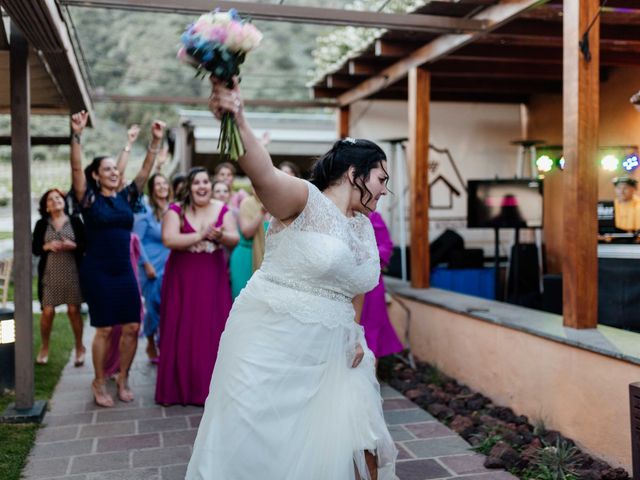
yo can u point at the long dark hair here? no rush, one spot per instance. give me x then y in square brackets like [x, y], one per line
[362, 155]
[186, 200]
[94, 166]
[177, 184]
[153, 203]
[42, 206]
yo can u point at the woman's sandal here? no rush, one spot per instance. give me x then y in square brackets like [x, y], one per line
[80, 357]
[42, 359]
[124, 392]
[152, 354]
[100, 395]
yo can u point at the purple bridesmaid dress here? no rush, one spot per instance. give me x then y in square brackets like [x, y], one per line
[196, 300]
[378, 331]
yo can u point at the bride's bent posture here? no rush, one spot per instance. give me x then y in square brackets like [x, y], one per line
[294, 394]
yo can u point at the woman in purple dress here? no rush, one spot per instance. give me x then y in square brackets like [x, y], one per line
[378, 331]
[196, 296]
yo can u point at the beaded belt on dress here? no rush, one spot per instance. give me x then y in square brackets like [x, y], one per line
[302, 287]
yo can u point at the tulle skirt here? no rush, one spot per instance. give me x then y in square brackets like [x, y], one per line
[284, 402]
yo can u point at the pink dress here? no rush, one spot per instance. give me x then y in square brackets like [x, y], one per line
[196, 300]
[112, 362]
[378, 331]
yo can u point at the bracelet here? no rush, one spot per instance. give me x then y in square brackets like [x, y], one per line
[127, 148]
[153, 150]
[75, 138]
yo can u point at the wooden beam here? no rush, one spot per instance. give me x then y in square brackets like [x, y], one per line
[479, 97]
[336, 81]
[4, 140]
[343, 122]
[42, 25]
[395, 49]
[581, 95]
[506, 53]
[297, 14]
[21, 180]
[542, 28]
[522, 70]
[418, 156]
[365, 67]
[495, 85]
[496, 15]
[478, 84]
[329, 93]
[481, 52]
[166, 100]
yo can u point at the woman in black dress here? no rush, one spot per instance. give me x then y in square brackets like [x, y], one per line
[58, 240]
[106, 275]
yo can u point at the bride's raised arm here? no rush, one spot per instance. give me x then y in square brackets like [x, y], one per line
[283, 196]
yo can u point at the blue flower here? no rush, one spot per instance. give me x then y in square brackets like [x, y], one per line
[185, 38]
[234, 14]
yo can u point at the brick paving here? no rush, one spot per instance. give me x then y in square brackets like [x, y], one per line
[145, 441]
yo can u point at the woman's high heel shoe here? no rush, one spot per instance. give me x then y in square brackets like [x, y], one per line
[100, 395]
[80, 357]
[42, 359]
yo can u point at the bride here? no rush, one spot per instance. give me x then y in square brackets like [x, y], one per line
[294, 394]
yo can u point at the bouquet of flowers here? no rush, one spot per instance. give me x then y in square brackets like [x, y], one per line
[217, 44]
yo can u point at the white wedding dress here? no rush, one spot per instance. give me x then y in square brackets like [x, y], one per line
[284, 402]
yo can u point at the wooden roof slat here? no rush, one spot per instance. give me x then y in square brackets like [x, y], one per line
[45, 30]
[537, 28]
[298, 14]
[451, 67]
[478, 84]
[497, 15]
[367, 67]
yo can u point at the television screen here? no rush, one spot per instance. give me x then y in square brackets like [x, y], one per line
[504, 203]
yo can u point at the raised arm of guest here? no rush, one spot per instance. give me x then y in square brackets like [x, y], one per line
[157, 131]
[123, 157]
[78, 123]
[282, 195]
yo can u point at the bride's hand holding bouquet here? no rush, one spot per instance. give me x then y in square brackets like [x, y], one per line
[216, 44]
[224, 100]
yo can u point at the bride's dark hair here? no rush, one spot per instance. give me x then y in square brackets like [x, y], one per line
[362, 155]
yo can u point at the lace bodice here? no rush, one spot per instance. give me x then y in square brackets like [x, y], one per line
[322, 248]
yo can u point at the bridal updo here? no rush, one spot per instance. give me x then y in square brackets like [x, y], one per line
[362, 155]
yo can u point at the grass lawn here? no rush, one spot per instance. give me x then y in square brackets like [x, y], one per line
[16, 440]
[6, 235]
[34, 290]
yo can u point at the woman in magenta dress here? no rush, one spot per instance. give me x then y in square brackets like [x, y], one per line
[196, 296]
[378, 331]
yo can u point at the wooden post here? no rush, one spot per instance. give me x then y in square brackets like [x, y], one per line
[21, 178]
[343, 122]
[580, 138]
[418, 155]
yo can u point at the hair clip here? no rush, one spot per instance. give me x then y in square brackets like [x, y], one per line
[350, 140]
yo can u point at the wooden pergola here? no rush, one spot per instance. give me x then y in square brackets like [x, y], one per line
[39, 74]
[526, 48]
[468, 50]
[475, 50]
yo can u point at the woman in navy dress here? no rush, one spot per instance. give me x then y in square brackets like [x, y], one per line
[106, 275]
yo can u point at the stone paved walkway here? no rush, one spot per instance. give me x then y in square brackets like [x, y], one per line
[144, 441]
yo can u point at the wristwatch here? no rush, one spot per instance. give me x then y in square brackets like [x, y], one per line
[127, 148]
